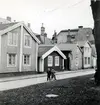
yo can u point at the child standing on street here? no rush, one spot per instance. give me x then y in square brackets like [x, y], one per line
[48, 74]
[53, 76]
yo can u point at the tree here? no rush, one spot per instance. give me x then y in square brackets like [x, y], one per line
[95, 6]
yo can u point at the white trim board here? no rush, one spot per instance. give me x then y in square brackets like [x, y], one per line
[21, 49]
[37, 56]
[11, 66]
[18, 25]
[32, 34]
[55, 48]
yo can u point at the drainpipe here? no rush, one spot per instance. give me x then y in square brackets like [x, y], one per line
[82, 48]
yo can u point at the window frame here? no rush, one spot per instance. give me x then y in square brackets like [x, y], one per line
[50, 58]
[85, 60]
[57, 59]
[29, 59]
[12, 34]
[8, 65]
[25, 40]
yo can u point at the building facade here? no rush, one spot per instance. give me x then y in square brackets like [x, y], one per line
[74, 35]
[86, 53]
[50, 57]
[18, 48]
[73, 55]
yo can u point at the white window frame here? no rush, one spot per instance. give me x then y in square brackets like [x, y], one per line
[9, 33]
[30, 41]
[56, 60]
[29, 59]
[8, 65]
[50, 63]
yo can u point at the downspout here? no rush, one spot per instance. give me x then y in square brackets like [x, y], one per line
[82, 57]
[42, 64]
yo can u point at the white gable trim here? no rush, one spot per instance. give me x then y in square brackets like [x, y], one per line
[55, 48]
[89, 44]
[31, 33]
[16, 26]
[10, 28]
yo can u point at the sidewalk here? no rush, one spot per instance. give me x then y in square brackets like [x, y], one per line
[6, 79]
[22, 81]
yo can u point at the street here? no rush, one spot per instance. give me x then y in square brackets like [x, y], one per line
[71, 91]
[17, 82]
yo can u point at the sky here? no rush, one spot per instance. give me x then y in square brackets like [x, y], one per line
[54, 14]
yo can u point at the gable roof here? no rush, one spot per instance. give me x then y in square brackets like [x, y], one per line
[81, 34]
[85, 34]
[45, 50]
[2, 20]
[4, 28]
[71, 30]
[66, 31]
[82, 43]
[67, 47]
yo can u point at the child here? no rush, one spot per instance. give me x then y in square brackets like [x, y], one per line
[53, 76]
[48, 74]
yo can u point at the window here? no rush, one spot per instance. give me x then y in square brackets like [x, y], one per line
[88, 60]
[56, 60]
[12, 38]
[11, 60]
[77, 61]
[85, 49]
[50, 61]
[26, 59]
[73, 36]
[27, 41]
[77, 50]
[85, 60]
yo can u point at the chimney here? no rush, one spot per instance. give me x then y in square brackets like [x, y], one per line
[54, 38]
[45, 34]
[68, 31]
[29, 25]
[68, 38]
[42, 30]
[8, 18]
[14, 20]
[80, 27]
